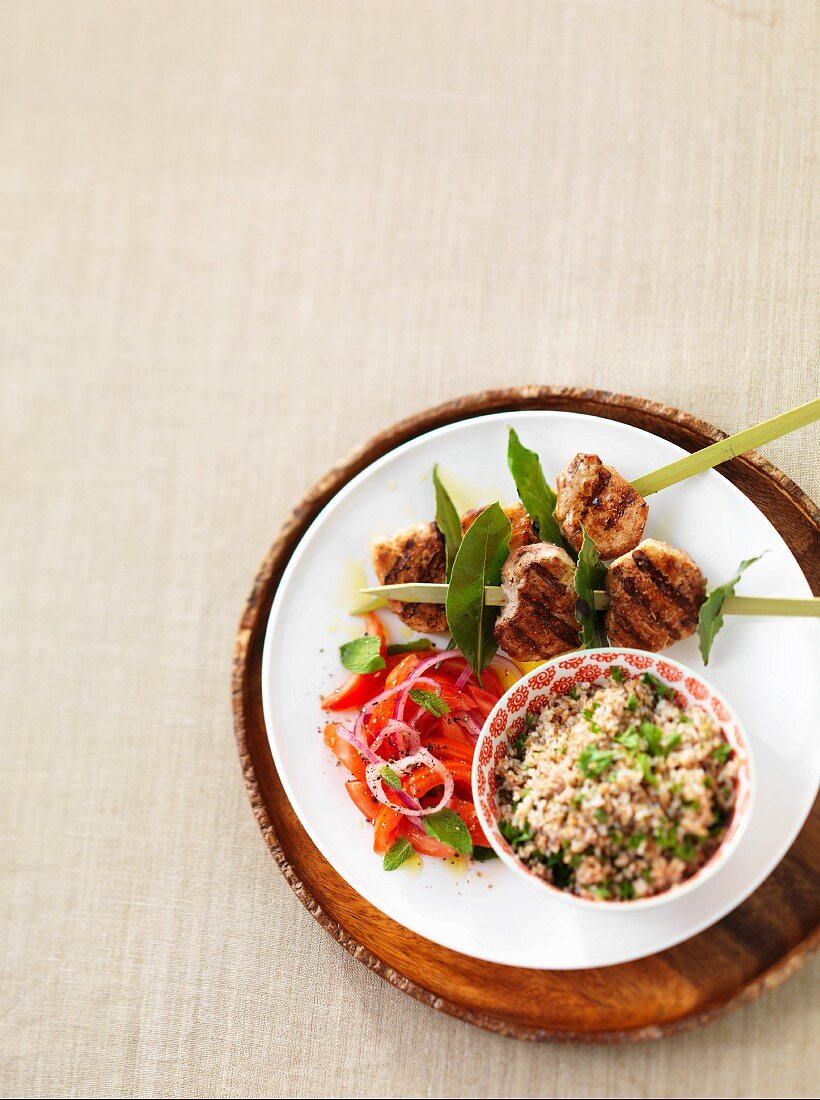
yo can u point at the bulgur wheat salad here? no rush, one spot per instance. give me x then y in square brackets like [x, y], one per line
[615, 792]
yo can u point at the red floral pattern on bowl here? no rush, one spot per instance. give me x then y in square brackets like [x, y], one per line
[536, 689]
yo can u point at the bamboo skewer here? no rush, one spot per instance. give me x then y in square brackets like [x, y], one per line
[808, 607]
[727, 448]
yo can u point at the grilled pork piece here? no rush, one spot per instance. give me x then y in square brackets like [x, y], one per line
[538, 619]
[414, 554]
[655, 593]
[523, 532]
[596, 496]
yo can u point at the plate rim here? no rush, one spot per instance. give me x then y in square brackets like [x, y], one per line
[253, 622]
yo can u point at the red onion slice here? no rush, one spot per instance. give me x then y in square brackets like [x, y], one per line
[411, 806]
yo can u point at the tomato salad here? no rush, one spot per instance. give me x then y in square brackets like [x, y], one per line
[409, 748]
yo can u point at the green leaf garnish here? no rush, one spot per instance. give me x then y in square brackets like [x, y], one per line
[653, 736]
[418, 645]
[626, 891]
[536, 495]
[710, 616]
[666, 836]
[671, 742]
[590, 574]
[593, 761]
[483, 550]
[644, 762]
[513, 834]
[562, 872]
[390, 777]
[630, 739]
[484, 855]
[617, 674]
[632, 702]
[430, 701]
[658, 686]
[399, 852]
[447, 521]
[448, 828]
[722, 752]
[362, 654]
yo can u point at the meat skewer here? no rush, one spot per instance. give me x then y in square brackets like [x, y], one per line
[614, 511]
[652, 599]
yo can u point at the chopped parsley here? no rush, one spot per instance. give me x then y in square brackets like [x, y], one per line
[657, 686]
[653, 736]
[617, 674]
[644, 762]
[513, 834]
[666, 836]
[593, 761]
[626, 891]
[630, 739]
[722, 752]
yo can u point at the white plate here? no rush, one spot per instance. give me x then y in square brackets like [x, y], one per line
[767, 668]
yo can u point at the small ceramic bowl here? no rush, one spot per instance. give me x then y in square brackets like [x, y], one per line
[531, 694]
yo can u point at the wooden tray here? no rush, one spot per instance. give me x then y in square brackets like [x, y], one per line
[753, 949]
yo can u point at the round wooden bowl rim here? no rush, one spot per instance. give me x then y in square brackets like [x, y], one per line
[254, 617]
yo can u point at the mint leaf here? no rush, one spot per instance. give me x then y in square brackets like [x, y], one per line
[710, 617]
[430, 701]
[447, 521]
[448, 828]
[536, 495]
[399, 852]
[390, 777]
[483, 855]
[483, 550]
[590, 574]
[418, 645]
[363, 654]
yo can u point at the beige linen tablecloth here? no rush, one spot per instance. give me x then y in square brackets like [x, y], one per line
[236, 240]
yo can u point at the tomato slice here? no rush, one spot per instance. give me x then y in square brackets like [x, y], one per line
[467, 812]
[425, 845]
[402, 670]
[445, 747]
[344, 752]
[373, 625]
[362, 798]
[462, 774]
[484, 700]
[385, 829]
[492, 682]
[357, 690]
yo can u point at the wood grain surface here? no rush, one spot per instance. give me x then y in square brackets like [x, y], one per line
[753, 949]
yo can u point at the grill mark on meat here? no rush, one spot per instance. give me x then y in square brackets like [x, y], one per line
[429, 570]
[688, 606]
[641, 602]
[627, 630]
